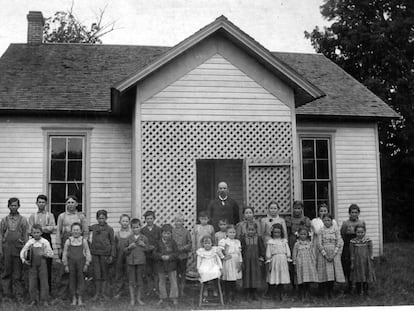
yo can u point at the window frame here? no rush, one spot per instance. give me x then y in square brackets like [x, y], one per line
[329, 137]
[83, 132]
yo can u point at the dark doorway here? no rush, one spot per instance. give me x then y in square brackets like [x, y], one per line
[211, 172]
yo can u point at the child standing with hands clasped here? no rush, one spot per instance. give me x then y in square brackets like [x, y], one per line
[121, 242]
[362, 265]
[277, 256]
[76, 258]
[103, 252]
[135, 251]
[304, 261]
[329, 256]
[232, 262]
[254, 252]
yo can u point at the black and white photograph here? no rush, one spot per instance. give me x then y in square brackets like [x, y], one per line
[206, 154]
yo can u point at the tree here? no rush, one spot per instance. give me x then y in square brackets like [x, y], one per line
[373, 40]
[65, 27]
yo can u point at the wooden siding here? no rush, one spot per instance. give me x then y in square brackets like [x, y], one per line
[216, 90]
[23, 171]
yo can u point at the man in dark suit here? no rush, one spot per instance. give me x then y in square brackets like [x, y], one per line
[223, 207]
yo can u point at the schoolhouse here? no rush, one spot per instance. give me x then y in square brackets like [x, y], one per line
[132, 128]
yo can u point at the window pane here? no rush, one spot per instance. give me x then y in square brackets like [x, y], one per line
[58, 148]
[309, 208]
[322, 149]
[308, 169]
[307, 149]
[57, 170]
[322, 169]
[58, 193]
[74, 170]
[75, 189]
[308, 190]
[75, 146]
[323, 190]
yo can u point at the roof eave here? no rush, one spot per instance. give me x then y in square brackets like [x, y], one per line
[307, 90]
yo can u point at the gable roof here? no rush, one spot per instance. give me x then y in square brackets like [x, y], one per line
[304, 90]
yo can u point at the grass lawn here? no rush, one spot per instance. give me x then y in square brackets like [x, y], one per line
[395, 286]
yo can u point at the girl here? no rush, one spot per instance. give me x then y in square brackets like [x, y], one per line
[222, 234]
[254, 251]
[278, 256]
[241, 227]
[317, 223]
[329, 256]
[362, 265]
[121, 242]
[304, 261]
[202, 229]
[232, 262]
[103, 251]
[76, 258]
[271, 219]
[347, 234]
[209, 264]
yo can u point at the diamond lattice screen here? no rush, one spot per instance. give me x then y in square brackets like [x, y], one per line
[268, 183]
[170, 150]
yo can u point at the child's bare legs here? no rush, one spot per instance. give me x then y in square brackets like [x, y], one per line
[139, 296]
[132, 294]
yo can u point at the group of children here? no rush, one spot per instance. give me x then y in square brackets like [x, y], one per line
[273, 250]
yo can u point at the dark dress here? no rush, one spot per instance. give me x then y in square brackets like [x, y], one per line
[347, 234]
[252, 249]
[361, 252]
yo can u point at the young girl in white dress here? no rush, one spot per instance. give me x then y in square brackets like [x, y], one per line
[232, 262]
[209, 264]
[277, 256]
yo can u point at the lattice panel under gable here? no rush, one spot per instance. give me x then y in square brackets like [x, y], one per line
[269, 183]
[170, 151]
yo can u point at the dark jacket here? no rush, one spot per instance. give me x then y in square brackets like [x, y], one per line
[166, 248]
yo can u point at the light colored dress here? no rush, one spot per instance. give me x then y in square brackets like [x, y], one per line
[219, 235]
[329, 243]
[303, 257]
[277, 255]
[231, 247]
[208, 264]
[317, 225]
[266, 224]
[201, 231]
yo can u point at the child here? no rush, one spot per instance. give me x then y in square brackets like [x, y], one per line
[329, 256]
[232, 262]
[254, 251]
[121, 242]
[13, 236]
[278, 256]
[202, 229]
[362, 265]
[165, 254]
[135, 251]
[153, 234]
[304, 261]
[241, 227]
[103, 252]
[317, 224]
[182, 238]
[272, 218]
[347, 234]
[47, 222]
[39, 249]
[293, 224]
[222, 233]
[76, 258]
[209, 265]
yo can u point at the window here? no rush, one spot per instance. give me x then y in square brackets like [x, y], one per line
[66, 171]
[316, 174]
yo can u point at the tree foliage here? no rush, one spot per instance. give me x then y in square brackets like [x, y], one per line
[65, 27]
[373, 40]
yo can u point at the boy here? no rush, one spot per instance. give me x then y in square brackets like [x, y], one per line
[165, 254]
[47, 222]
[39, 249]
[182, 238]
[13, 235]
[153, 234]
[137, 246]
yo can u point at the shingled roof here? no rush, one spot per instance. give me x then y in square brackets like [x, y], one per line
[79, 77]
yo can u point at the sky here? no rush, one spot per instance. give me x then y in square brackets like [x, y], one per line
[278, 25]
